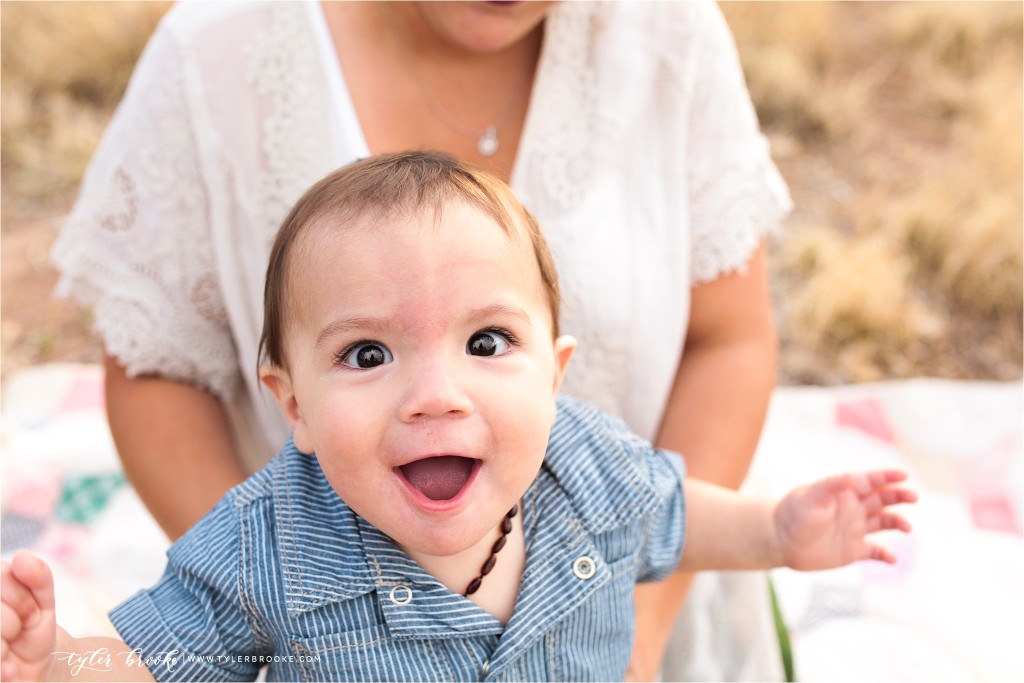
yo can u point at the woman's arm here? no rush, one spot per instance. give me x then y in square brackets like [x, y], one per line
[138, 249]
[714, 418]
[725, 378]
[175, 443]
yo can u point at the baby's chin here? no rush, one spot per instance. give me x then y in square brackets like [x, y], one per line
[472, 531]
[447, 543]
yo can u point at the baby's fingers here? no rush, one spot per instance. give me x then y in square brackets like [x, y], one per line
[35, 575]
[897, 495]
[886, 521]
[29, 622]
[878, 553]
[867, 483]
[878, 500]
[17, 601]
[11, 625]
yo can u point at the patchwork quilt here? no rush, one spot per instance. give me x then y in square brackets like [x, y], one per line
[951, 609]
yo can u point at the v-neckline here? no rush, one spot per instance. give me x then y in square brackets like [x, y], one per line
[348, 138]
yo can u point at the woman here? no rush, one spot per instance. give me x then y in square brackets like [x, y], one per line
[626, 129]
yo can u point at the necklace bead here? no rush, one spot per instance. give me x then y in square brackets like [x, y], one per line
[488, 565]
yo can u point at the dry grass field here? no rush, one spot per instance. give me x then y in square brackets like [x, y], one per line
[898, 127]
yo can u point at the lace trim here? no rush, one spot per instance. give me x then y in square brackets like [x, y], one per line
[120, 215]
[139, 248]
[737, 195]
[129, 247]
[594, 70]
[283, 66]
[578, 139]
[581, 129]
[731, 226]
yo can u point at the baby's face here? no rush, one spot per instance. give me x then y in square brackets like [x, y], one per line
[422, 372]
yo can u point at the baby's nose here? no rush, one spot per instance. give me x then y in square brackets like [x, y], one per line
[435, 391]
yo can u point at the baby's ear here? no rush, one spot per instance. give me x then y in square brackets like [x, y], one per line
[564, 348]
[279, 382]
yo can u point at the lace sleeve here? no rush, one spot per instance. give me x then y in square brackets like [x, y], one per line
[737, 194]
[137, 246]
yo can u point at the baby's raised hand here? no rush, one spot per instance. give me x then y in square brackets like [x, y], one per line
[29, 629]
[825, 524]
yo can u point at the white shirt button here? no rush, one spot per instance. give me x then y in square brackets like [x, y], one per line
[485, 668]
[584, 567]
[401, 595]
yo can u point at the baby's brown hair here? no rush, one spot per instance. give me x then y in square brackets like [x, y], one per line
[390, 186]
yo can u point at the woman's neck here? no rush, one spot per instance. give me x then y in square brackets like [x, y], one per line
[411, 89]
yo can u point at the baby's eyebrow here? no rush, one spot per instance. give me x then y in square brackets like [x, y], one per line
[497, 310]
[380, 326]
[344, 325]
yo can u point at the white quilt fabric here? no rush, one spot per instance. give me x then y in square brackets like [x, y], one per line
[952, 609]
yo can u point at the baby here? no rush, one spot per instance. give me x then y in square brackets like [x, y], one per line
[440, 512]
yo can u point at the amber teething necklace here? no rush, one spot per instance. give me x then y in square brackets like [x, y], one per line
[487, 139]
[488, 565]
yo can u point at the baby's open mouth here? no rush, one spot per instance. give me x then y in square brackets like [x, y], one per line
[440, 477]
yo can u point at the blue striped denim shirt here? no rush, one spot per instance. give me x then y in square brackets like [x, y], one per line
[282, 572]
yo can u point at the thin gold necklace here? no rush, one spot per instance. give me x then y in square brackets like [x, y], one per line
[487, 139]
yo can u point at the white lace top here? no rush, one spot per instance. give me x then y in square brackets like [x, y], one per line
[641, 157]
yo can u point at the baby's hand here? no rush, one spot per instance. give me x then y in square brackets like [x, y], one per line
[824, 524]
[29, 630]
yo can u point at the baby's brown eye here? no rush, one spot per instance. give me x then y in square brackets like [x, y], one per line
[366, 355]
[487, 344]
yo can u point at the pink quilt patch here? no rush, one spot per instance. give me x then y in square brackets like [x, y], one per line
[33, 494]
[84, 393]
[994, 512]
[866, 415]
[984, 478]
[67, 545]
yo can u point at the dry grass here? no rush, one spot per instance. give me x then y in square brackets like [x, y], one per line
[897, 126]
[64, 66]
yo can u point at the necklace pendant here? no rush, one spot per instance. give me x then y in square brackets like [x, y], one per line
[487, 144]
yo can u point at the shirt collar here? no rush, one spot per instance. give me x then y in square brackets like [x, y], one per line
[318, 536]
[592, 482]
[329, 554]
[598, 461]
